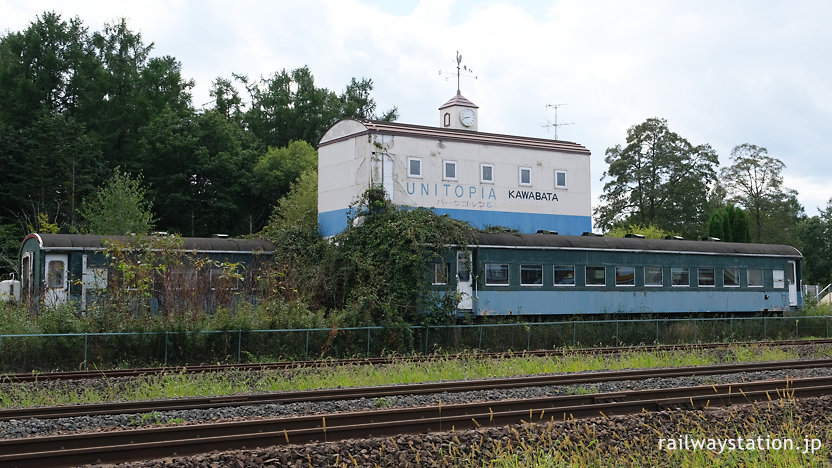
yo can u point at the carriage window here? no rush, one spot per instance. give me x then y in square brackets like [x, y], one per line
[653, 276]
[779, 278]
[730, 277]
[56, 274]
[625, 276]
[440, 273]
[531, 275]
[680, 276]
[596, 276]
[496, 274]
[706, 277]
[755, 278]
[564, 275]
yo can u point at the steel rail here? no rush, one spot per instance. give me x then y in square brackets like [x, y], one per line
[112, 373]
[401, 389]
[111, 447]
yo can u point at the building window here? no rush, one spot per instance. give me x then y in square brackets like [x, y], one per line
[525, 176]
[446, 119]
[779, 277]
[755, 278]
[449, 170]
[440, 273]
[653, 276]
[496, 274]
[564, 275]
[596, 276]
[414, 167]
[706, 277]
[680, 276]
[560, 179]
[730, 277]
[487, 173]
[531, 275]
[625, 276]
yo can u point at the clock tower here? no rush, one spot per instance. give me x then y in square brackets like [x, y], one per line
[458, 113]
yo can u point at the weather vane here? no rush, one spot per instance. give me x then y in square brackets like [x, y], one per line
[555, 125]
[459, 70]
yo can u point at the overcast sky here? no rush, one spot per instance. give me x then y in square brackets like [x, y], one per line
[722, 73]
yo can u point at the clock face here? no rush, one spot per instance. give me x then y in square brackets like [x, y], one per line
[467, 117]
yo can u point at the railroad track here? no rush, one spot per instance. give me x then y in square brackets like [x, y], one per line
[111, 447]
[147, 406]
[111, 373]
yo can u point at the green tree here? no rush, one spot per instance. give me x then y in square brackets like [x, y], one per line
[730, 224]
[659, 179]
[299, 208]
[276, 170]
[754, 181]
[815, 241]
[649, 231]
[118, 207]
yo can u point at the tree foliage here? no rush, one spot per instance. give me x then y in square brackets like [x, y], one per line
[729, 224]
[118, 208]
[649, 232]
[754, 181]
[276, 170]
[815, 240]
[659, 179]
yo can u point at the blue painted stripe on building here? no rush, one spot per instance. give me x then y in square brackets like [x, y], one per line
[568, 302]
[333, 222]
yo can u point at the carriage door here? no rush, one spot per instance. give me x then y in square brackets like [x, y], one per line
[464, 280]
[792, 284]
[56, 287]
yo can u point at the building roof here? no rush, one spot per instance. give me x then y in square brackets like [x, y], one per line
[448, 134]
[458, 100]
[201, 244]
[554, 241]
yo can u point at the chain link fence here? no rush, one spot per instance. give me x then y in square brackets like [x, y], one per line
[81, 351]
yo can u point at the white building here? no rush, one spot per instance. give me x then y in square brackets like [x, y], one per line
[527, 184]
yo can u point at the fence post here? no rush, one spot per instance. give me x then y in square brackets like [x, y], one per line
[427, 336]
[479, 344]
[657, 331]
[307, 344]
[574, 334]
[529, 339]
[796, 332]
[617, 340]
[85, 350]
[239, 344]
[166, 348]
[765, 328]
[731, 329]
[827, 326]
[368, 341]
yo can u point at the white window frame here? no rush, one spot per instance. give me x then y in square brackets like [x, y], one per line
[775, 281]
[445, 164]
[748, 278]
[536, 267]
[409, 167]
[508, 274]
[520, 176]
[680, 285]
[699, 272]
[586, 277]
[563, 267]
[440, 270]
[565, 179]
[624, 285]
[661, 277]
[482, 173]
[736, 278]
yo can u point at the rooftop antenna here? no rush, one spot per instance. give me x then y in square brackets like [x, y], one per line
[459, 71]
[555, 125]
